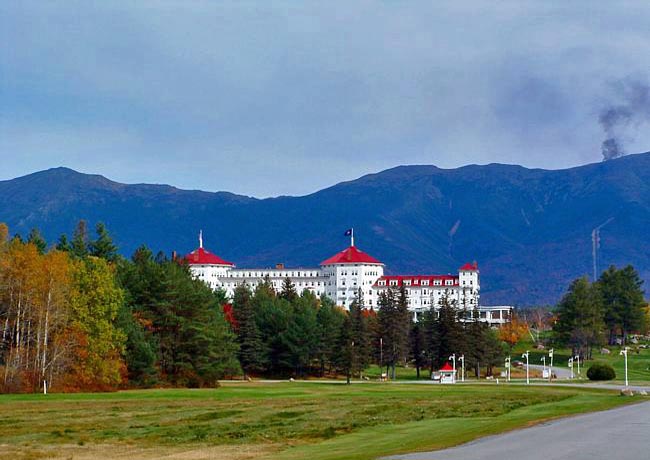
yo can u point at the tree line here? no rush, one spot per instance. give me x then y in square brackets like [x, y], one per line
[605, 311]
[75, 315]
[287, 334]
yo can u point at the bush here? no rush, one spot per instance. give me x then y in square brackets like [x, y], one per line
[601, 371]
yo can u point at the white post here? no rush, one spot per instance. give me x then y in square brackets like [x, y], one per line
[508, 361]
[577, 358]
[571, 366]
[624, 353]
[453, 359]
[525, 355]
[550, 366]
[543, 360]
[44, 387]
[462, 367]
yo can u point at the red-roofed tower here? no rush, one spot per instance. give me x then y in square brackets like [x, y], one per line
[349, 271]
[207, 267]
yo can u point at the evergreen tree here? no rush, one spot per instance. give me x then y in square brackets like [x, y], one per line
[300, 339]
[386, 331]
[447, 338]
[140, 352]
[79, 243]
[37, 240]
[403, 320]
[580, 318]
[288, 291]
[251, 350]
[181, 320]
[329, 319]
[103, 246]
[418, 346]
[63, 244]
[346, 358]
[623, 301]
[360, 334]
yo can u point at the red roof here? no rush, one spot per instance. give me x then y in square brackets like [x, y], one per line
[351, 256]
[416, 280]
[447, 367]
[473, 267]
[202, 257]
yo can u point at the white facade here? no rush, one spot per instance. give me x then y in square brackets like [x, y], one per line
[341, 277]
[345, 280]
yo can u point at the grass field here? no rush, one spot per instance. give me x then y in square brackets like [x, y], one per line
[276, 420]
[638, 361]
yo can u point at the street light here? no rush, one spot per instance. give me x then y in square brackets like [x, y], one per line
[571, 366]
[525, 355]
[462, 367]
[577, 358]
[381, 356]
[453, 359]
[508, 361]
[624, 353]
[550, 366]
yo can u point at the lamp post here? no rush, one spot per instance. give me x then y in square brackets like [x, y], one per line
[577, 359]
[624, 353]
[550, 366]
[525, 355]
[571, 366]
[452, 358]
[508, 361]
[543, 360]
[381, 356]
[462, 367]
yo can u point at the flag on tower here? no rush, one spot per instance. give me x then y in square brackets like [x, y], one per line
[350, 232]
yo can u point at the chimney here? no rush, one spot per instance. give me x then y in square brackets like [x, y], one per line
[279, 266]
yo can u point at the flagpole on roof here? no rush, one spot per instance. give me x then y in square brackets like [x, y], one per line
[201, 239]
[352, 236]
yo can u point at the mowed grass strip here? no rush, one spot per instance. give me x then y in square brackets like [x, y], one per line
[299, 420]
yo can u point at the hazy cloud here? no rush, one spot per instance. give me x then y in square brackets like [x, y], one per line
[288, 97]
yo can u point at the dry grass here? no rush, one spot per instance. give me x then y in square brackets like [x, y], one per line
[244, 420]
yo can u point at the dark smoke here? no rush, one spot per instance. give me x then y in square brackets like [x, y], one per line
[631, 110]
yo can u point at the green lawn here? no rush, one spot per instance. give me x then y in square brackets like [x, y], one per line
[277, 420]
[638, 363]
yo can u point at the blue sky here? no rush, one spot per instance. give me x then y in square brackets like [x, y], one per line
[270, 98]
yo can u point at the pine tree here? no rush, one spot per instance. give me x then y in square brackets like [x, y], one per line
[288, 291]
[448, 333]
[103, 246]
[580, 317]
[300, 339]
[79, 243]
[63, 244]
[329, 320]
[623, 301]
[360, 334]
[251, 349]
[418, 346]
[37, 240]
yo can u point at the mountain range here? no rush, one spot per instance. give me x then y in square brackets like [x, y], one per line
[529, 229]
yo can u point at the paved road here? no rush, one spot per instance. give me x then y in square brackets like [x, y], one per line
[560, 372]
[621, 434]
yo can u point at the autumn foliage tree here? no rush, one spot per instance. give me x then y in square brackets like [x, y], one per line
[513, 331]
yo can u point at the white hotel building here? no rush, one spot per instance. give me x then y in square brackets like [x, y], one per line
[342, 275]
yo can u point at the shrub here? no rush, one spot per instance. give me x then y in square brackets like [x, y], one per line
[601, 371]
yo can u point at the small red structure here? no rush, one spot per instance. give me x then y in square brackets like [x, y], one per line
[446, 374]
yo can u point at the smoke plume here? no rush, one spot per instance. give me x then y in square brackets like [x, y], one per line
[621, 118]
